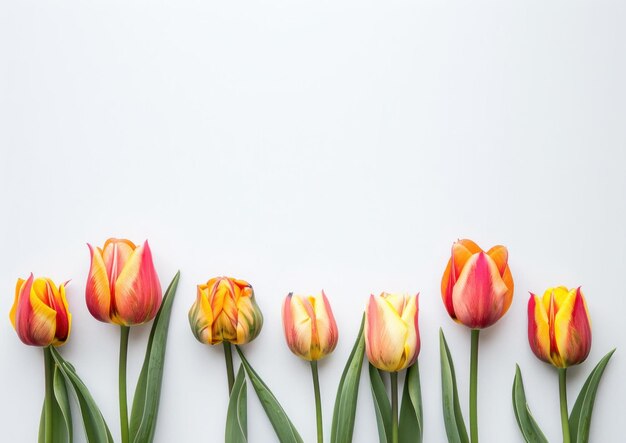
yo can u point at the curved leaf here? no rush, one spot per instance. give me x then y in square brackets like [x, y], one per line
[452, 415]
[285, 430]
[411, 428]
[381, 405]
[237, 416]
[61, 412]
[145, 409]
[96, 428]
[580, 418]
[527, 424]
[347, 393]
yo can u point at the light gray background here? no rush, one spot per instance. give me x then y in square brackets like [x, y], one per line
[304, 145]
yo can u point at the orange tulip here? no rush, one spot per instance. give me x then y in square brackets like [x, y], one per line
[559, 327]
[310, 327]
[392, 339]
[123, 286]
[225, 310]
[477, 286]
[40, 314]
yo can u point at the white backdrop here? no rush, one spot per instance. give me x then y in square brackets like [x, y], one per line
[303, 145]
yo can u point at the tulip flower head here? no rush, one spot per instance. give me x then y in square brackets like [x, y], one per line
[123, 287]
[40, 314]
[310, 327]
[559, 327]
[477, 286]
[225, 310]
[392, 339]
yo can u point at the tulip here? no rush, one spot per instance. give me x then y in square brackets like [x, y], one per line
[559, 333]
[311, 333]
[559, 328]
[123, 286]
[477, 286]
[40, 314]
[310, 327]
[477, 290]
[225, 311]
[392, 340]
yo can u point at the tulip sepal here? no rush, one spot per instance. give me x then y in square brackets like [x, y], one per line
[576, 426]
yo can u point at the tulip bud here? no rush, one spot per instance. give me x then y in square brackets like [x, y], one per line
[40, 315]
[559, 327]
[310, 327]
[225, 310]
[123, 286]
[477, 286]
[392, 339]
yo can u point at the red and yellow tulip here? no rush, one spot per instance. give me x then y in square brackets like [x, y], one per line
[123, 286]
[310, 327]
[392, 339]
[559, 327]
[40, 314]
[477, 286]
[225, 310]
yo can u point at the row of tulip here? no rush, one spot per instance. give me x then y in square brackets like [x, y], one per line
[477, 289]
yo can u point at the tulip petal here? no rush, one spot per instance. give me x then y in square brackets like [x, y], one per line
[326, 326]
[410, 317]
[97, 292]
[538, 329]
[115, 254]
[63, 316]
[386, 335]
[137, 294]
[479, 293]
[500, 255]
[35, 321]
[12, 314]
[249, 317]
[572, 329]
[201, 317]
[300, 334]
[462, 250]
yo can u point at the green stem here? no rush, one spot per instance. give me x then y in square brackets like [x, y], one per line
[122, 383]
[230, 372]
[474, 387]
[563, 396]
[394, 407]
[49, 369]
[318, 401]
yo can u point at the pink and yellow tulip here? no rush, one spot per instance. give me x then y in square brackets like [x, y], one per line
[40, 314]
[123, 287]
[477, 286]
[225, 311]
[310, 327]
[559, 327]
[392, 339]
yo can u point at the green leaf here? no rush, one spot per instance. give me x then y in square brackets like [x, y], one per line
[580, 418]
[452, 415]
[527, 424]
[237, 416]
[145, 409]
[347, 393]
[381, 405]
[285, 430]
[61, 412]
[411, 427]
[96, 428]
